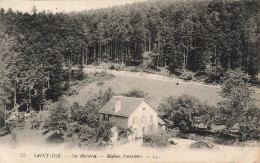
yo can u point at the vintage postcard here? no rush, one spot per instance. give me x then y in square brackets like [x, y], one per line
[167, 81]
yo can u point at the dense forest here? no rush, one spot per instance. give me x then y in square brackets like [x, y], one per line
[205, 37]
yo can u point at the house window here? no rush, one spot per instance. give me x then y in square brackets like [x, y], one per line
[143, 120]
[135, 131]
[150, 129]
[143, 130]
[105, 117]
[135, 120]
[151, 118]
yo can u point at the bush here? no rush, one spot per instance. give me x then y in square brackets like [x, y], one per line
[175, 68]
[187, 75]
[35, 124]
[223, 140]
[103, 75]
[138, 93]
[153, 67]
[175, 132]
[135, 69]
[72, 129]
[201, 145]
[100, 83]
[156, 140]
[95, 63]
[123, 133]
[90, 137]
[112, 67]
[211, 78]
[71, 92]
[200, 76]
[55, 138]
[193, 137]
[184, 136]
[5, 131]
[45, 132]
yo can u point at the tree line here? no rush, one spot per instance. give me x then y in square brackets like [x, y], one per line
[206, 37]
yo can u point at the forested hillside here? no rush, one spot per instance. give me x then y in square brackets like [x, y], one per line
[206, 37]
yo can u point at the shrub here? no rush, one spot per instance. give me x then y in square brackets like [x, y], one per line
[118, 68]
[71, 92]
[5, 131]
[55, 138]
[112, 67]
[223, 140]
[184, 136]
[175, 132]
[201, 145]
[156, 140]
[186, 75]
[45, 132]
[35, 124]
[193, 137]
[138, 93]
[175, 68]
[200, 76]
[212, 76]
[2, 121]
[135, 69]
[199, 73]
[100, 83]
[123, 133]
[94, 136]
[95, 63]
[103, 75]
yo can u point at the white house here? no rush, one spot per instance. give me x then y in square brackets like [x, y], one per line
[134, 113]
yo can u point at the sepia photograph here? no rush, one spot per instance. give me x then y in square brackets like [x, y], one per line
[146, 81]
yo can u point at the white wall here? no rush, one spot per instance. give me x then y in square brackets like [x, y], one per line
[139, 113]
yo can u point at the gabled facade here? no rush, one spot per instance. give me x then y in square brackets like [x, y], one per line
[130, 112]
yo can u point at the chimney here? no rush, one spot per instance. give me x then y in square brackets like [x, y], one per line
[117, 105]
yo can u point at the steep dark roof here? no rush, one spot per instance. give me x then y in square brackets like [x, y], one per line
[128, 106]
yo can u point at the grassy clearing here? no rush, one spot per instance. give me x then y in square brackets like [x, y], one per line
[157, 88]
[92, 81]
[75, 86]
